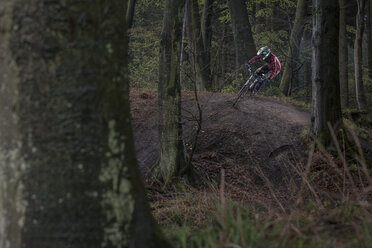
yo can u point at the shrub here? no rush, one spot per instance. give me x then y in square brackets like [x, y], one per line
[273, 91]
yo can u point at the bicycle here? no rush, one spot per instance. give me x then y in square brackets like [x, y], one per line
[253, 84]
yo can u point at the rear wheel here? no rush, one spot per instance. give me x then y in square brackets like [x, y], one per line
[256, 88]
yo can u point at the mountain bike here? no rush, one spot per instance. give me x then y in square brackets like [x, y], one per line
[253, 85]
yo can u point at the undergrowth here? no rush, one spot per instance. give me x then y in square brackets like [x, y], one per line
[275, 92]
[328, 205]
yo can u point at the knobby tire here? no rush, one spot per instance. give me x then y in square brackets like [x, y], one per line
[241, 93]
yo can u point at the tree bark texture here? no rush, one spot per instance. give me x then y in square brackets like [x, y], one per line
[200, 35]
[306, 46]
[370, 40]
[12, 210]
[343, 56]
[243, 37]
[292, 62]
[71, 178]
[326, 106]
[172, 152]
[358, 55]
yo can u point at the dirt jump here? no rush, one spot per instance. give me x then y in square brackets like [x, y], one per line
[256, 141]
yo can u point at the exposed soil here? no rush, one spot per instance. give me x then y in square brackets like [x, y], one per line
[259, 141]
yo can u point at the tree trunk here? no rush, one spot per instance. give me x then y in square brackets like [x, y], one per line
[12, 211]
[68, 159]
[259, 26]
[243, 37]
[292, 63]
[326, 106]
[200, 35]
[306, 53]
[358, 55]
[130, 12]
[206, 29]
[172, 152]
[370, 40]
[343, 52]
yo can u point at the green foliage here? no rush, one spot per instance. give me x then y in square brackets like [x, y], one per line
[351, 30]
[276, 93]
[147, 11]
[276, 40]
[284, 4]
[265, 12]
[230, 88]
[273, 91]
[224, 13]
[236, 225]
[144, 55]
[362, 126]
[306, 132]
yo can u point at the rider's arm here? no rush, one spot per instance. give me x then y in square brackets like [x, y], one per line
[254, 59]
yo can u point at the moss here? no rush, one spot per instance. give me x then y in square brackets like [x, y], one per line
[273, 91]
[117, 200]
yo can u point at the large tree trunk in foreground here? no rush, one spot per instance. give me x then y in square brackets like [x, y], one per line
[200, 36]
[294, 47]
[172, 153]
[370, 40]
[244, 44]
[358, 55]
[68, 166]
[12, 211]
[343, 59]
[326, 106]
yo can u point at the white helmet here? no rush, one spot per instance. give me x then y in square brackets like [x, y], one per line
[264, 52]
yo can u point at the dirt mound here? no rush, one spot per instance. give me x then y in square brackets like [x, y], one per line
[261, 136]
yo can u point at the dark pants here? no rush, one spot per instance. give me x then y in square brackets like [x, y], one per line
[263, 69]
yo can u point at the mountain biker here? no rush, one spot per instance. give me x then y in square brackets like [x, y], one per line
[272, 63]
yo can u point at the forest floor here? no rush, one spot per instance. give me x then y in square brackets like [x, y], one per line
[257, 159]
[254, 142]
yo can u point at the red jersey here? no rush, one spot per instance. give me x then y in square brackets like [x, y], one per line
[272, 61]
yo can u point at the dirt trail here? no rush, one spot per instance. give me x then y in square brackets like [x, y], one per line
[261, 133]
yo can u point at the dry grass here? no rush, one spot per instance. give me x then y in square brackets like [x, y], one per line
[196, 208]
[326, 203]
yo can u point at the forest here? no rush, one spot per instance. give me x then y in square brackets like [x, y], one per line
[185, 124]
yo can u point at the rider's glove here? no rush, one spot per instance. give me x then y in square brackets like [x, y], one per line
[248, 66]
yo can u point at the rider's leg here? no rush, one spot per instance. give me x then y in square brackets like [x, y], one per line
[258, 87]
[263, 69]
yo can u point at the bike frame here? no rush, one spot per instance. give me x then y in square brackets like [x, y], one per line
[250, 85]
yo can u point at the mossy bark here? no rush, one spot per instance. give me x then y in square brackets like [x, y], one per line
[172, 152]
[80, 183]
[292, 62]
[326, 106]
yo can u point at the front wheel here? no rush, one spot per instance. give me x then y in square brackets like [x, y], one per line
[242, 93]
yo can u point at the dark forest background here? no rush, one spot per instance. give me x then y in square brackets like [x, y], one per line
[118, 128]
